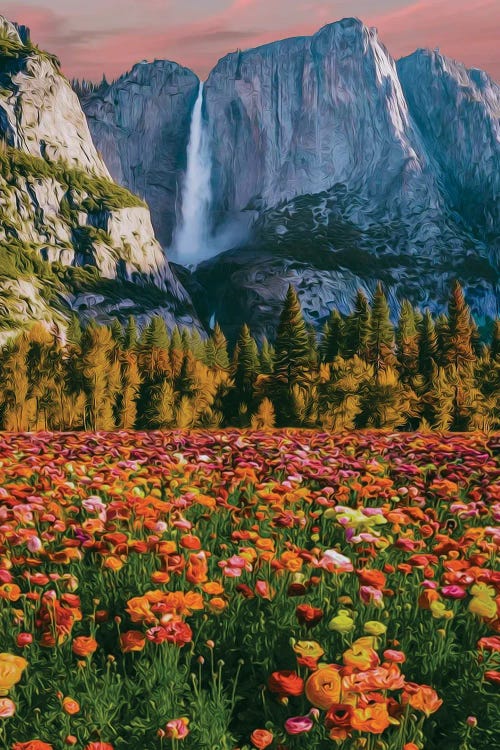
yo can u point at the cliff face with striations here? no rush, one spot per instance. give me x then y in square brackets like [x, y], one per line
[59, 205]
[140, 124]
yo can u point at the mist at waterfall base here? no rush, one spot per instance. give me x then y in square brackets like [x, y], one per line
[194, 240]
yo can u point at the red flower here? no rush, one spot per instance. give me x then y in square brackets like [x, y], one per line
[285, 683]
[308, 616]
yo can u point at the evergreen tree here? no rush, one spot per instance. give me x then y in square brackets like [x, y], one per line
[197, 345]
[458, 343]
[441, 328]
[129, 393]
[358, 328]
[407, 344]
[265, 418]
[101, 371]
[332, 342]
[74, 330]
[216, 354]
[267, 355]
[495, 340]
[131, 335]
[16, 395]
[156, 334]
[386, 402]
[381, 342]
[246, 365]
[341, 385]
[161, 412]
[117, 331]
[292, 361]
[428, 348]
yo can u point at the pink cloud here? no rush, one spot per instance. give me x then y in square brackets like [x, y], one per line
[461, 29]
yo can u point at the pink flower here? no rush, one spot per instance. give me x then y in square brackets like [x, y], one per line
[177, 729]
[391, 654]
[262, 589]
[371, 595]
[298, 724]
[334, 562]
[453, 592]
[7, 708]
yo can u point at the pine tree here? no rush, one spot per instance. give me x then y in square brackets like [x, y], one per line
[495, 340]
[341, 385]
[74, 330]
[267, 355]
[156, 334]
[15, 385]
[381, 342]
[161, 411]
[131, 336]
[43, 360]
[129, 394]
[265, 418]
[197, 345]
[459, 350]
[407, 344]
[385, 402]
[332, 342]
[246, 365]
[117, 331]
[216, 354]
[441, 328]
[428, 348]
[101, 371]
[358, 329]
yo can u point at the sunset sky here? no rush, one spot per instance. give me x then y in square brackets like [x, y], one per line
[93, 37]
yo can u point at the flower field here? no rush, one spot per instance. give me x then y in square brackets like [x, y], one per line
[222, 590]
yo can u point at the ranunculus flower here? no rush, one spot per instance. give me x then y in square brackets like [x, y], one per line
[374, 627]
[342, 623]
[308, 649]
[177, 729]
[261, 738]
[391, 654]
[361, 655]
[308, 616]
[7, 708]
[454, 592]
[132, 640]
[339, 715]
[70, 706]
[373, 718]
[489, 643]
[11, 670]
[298, 724]
[24, 639]
[421, 697]
[323, 687]
[99, 746]
[84, 646]
[32, 745]
[493, 676]
[286, 683]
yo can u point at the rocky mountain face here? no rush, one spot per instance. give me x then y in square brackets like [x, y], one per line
[140, 124]
[68, 234]
[355, 170]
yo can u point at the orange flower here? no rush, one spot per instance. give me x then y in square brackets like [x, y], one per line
[323, 687]
[361, 655]
[132, 640]
[70, 706]
[32, 745]
[10, 591]
[285, 683]
[373, 718]
[197, 568]
[217, 604]
[84, 646]
[139, 610]
[160, 576]
[213, 588]
[188, 541]
[11, 670]
[113, 562]
[421, 697]
[261, 738]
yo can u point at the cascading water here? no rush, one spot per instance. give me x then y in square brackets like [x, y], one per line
[192, 235]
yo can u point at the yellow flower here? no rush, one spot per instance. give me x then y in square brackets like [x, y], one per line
[11, 669]
[483, 606]
[308, 648]
[483, 591]
[439, 611]
[342, 623]
[373, 627]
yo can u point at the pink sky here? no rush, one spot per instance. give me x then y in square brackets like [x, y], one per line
[108, 36]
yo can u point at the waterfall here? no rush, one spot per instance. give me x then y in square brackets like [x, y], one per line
[192, 234]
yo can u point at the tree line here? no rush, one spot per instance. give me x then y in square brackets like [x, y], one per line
[362, 372]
